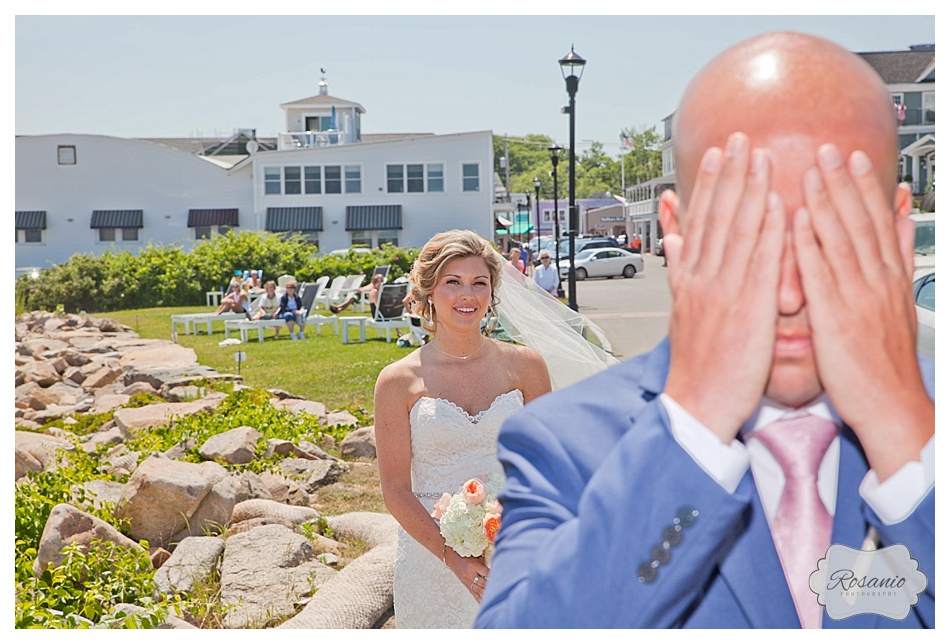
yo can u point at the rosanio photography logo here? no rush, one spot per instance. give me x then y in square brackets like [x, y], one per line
[849, 582]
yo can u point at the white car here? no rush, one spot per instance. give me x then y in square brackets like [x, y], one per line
[925, 300]
[346, 251]
[603, 262]
[925, 238]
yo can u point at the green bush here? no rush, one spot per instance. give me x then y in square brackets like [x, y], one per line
[170, 276]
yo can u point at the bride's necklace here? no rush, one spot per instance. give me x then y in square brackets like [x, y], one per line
[460, 357]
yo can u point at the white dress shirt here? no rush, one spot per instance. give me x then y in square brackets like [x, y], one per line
[546, 276]
[893, 500]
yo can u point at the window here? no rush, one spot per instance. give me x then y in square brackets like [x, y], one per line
[311, 178]
[130, 234]
[354, 179]
[548, 215]
[66, 154]
[415, 182]
[114, 234]
[387, 237]
[436, 176]
[271, 181]
[207, 232]
[317, 123]
[33, 235]
[394, 175]
[107, 234]
[362, 238]
[292, 180]
[332, 181]
[470, 177]
[929, 104]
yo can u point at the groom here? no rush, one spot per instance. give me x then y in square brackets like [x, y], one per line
[698, 485]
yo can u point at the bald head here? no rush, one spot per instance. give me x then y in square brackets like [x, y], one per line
[790, 93]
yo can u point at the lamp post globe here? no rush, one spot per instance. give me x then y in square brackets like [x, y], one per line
[572, 68]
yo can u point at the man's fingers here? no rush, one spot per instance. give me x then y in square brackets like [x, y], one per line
[750, 221]
[694, 225]
[906, 238]
[878, 205]
[826, 226]
[813, 268]
[731, 191]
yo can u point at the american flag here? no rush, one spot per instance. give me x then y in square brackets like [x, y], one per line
[626, 140]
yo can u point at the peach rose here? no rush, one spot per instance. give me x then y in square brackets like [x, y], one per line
[491, 523]
[473, 492]
[441, 506]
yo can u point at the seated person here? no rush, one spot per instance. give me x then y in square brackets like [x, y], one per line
[236, 301]
[291, 310]
[269, 306]
[372, 288]
[253, 281]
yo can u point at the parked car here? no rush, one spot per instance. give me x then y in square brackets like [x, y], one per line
[585, 243]
[925, 300]
[346, 251]
[925, 239]
[603, 262]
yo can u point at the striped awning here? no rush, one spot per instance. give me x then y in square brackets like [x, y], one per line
[30, 219]
[212, 217]
[373, 217]
[303, 218]
[116, 219]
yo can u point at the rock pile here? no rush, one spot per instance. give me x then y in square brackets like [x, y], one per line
[200, 520]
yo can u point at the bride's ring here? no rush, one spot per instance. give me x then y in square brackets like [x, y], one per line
[475, 581]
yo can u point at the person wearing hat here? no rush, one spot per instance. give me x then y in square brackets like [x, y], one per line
[545, 275]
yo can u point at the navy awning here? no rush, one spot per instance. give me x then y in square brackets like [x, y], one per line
[303, 218]
[213, 217]
[373, 217]
[116, 219]
[30, 219]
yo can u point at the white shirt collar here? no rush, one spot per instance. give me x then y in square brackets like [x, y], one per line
[770, 411]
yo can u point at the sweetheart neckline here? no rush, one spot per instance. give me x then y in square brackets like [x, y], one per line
[472, 419]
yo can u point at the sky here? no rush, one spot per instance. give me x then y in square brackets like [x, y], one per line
[208, 75]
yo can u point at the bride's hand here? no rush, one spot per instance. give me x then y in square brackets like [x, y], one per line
[471, 571]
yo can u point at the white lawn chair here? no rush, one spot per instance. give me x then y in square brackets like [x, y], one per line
[191, 320]
[390, 314]
[350, 287]
[331, 293]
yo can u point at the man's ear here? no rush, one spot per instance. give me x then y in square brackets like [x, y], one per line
[669, 212]
[903, 200]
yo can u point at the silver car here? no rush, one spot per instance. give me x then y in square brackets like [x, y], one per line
[925, 299]
[603, 262]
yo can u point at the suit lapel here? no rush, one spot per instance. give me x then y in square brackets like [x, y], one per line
[850, 527]
[754, 574]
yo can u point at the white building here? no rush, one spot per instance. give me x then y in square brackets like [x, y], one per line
[322, 178]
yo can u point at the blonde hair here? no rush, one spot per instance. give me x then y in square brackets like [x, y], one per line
[437, 253]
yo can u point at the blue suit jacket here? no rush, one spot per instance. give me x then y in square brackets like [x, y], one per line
[595, 477]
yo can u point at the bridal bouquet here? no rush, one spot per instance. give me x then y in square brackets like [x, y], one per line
[470, 518]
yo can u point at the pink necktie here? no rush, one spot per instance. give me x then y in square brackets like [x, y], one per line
[801, 528]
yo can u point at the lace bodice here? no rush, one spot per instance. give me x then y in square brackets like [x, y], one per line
[450, 446]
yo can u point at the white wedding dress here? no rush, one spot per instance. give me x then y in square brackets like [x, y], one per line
[448, 447]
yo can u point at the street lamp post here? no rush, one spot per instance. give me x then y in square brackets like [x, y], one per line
[537, 212]
[527, 216]
[554, 150]
[572, 68]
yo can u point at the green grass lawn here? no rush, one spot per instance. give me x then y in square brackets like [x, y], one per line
[319, 367]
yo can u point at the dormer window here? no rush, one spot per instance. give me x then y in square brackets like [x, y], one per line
[66, 154]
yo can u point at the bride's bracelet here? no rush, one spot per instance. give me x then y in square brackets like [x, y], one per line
[443, 555]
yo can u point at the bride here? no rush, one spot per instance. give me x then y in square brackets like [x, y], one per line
[438, 412]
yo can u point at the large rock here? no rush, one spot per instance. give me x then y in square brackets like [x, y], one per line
[265, 572]
[104, 375]
[312, 475]
[216, 509]
[108, 402]
[236, 446]
[263, 508]
[35, 452]
[193, 561]
[67, 524]
[164, 498]
[341, 419]
[42, 373]
[316, 409]
[284, 490]
[131, 418]
[362, 442]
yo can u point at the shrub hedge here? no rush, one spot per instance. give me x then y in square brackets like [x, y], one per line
[171, 276]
